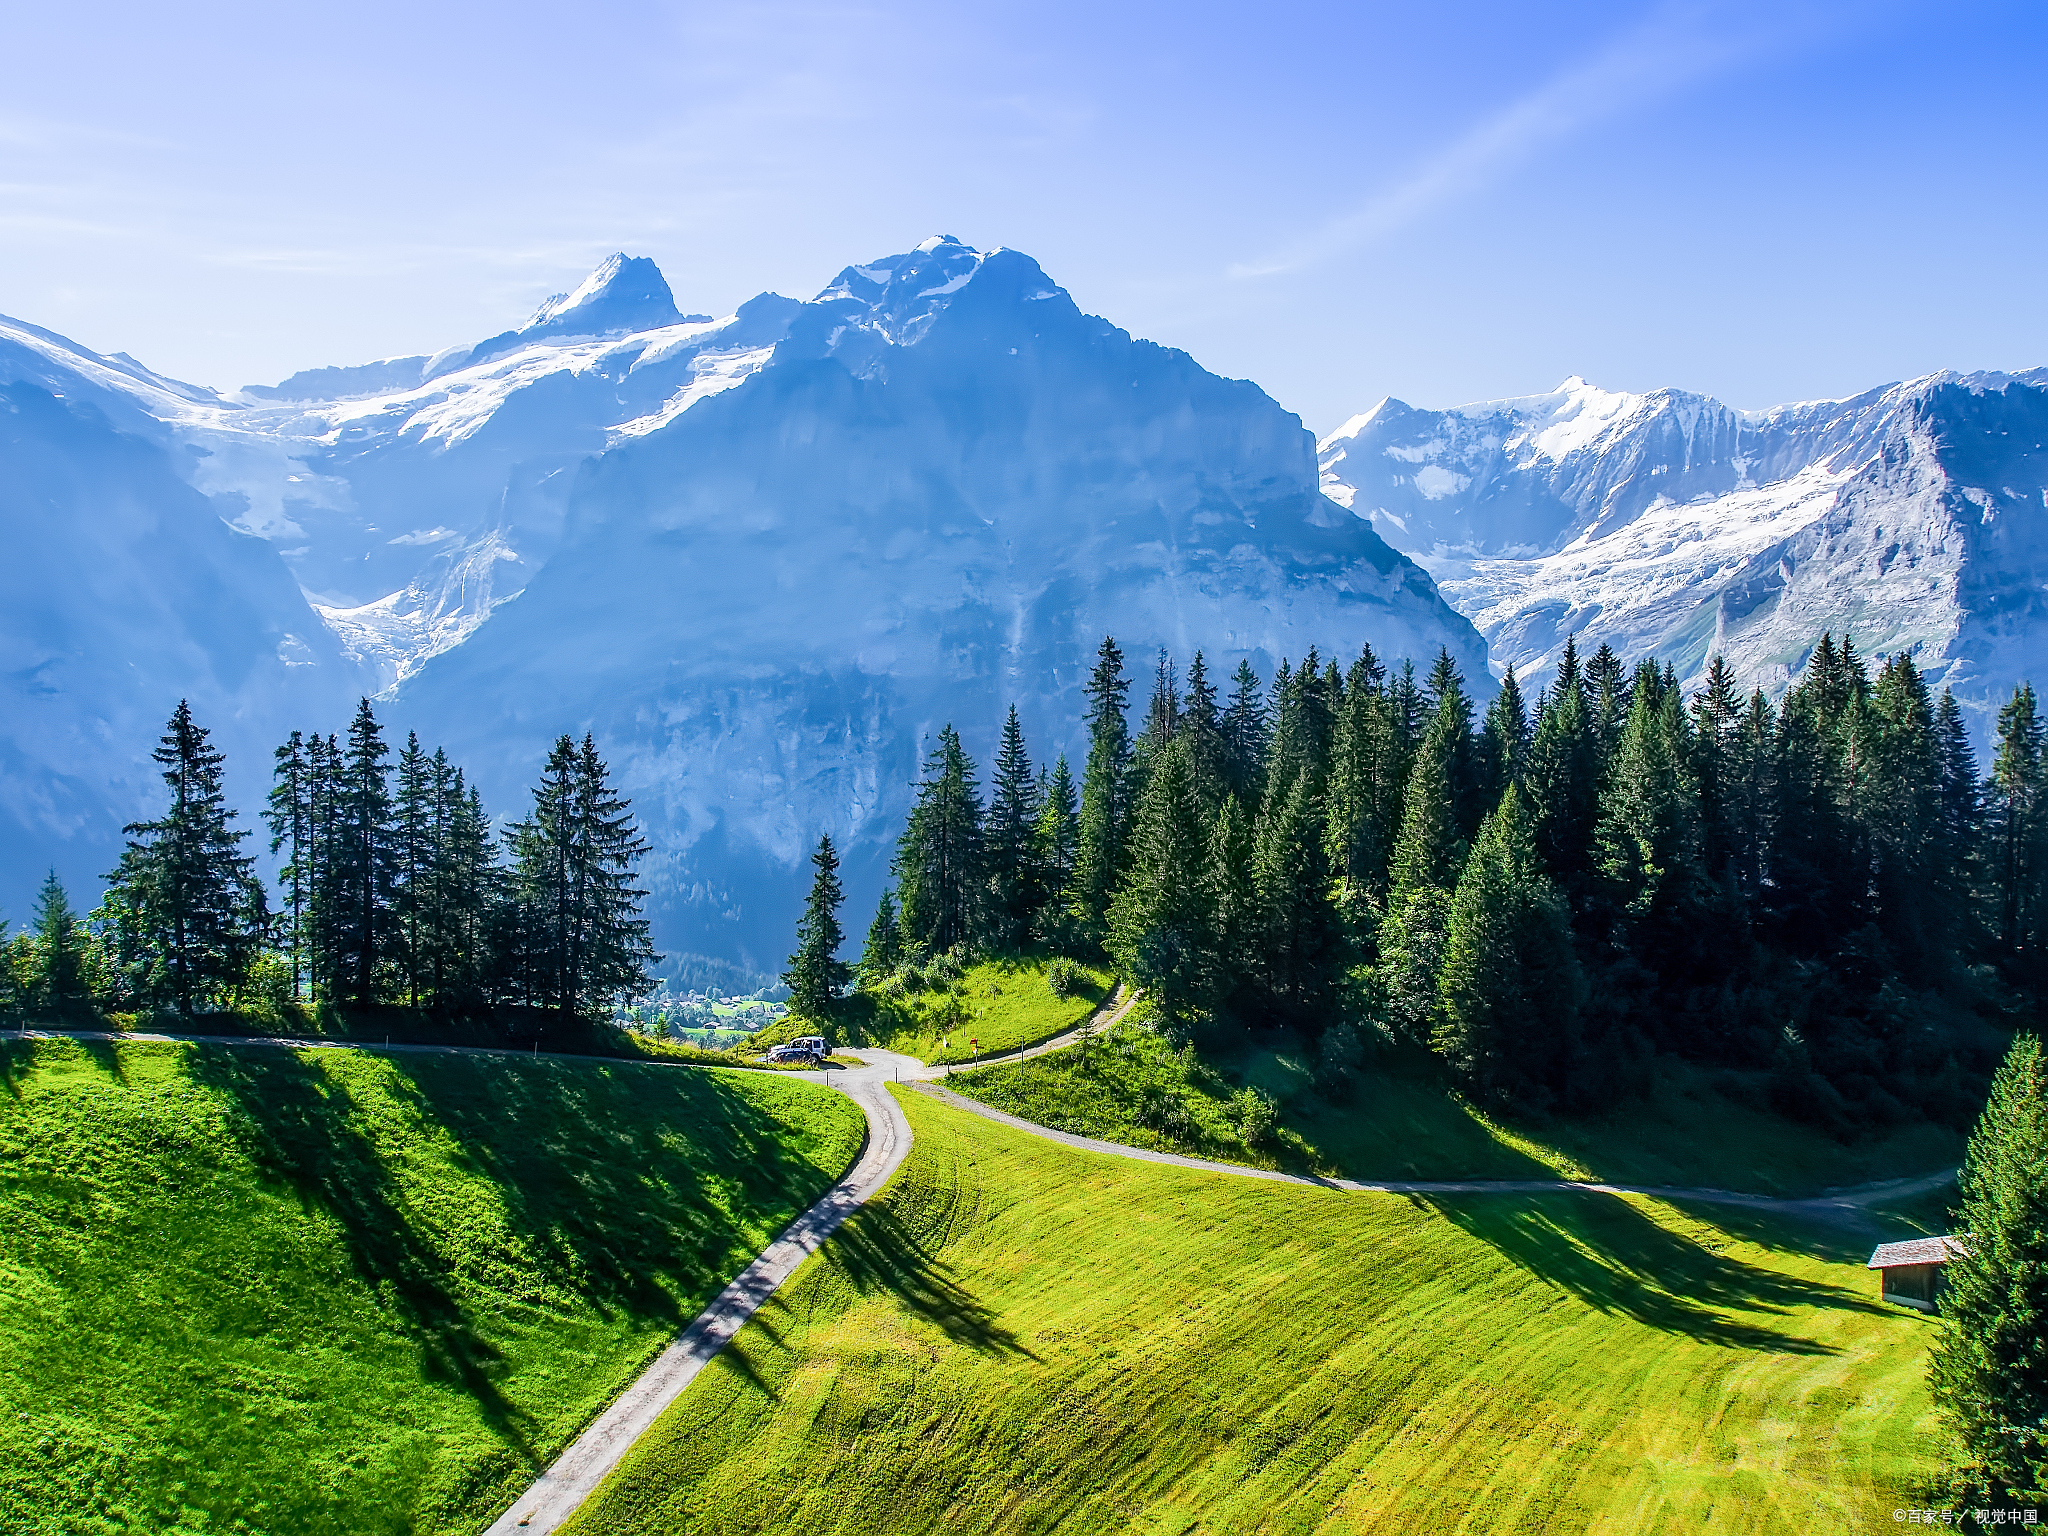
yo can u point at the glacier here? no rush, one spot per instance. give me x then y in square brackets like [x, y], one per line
[762, 555]
[1667, 524]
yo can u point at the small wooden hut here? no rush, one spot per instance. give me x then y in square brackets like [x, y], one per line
[1909, 1273]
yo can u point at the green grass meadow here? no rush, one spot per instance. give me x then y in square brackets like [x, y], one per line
[1397, 1119]
[1020, 1338]
[296, 1292]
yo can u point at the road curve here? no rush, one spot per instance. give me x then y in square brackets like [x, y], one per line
[595, 1452]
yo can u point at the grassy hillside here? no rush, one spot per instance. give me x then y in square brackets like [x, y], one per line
[1005, 1004]
[1397, 1120]
[1018, 1338]
[298, 1292]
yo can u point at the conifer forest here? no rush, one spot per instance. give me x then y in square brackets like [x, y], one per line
[1547, 894]
[393, 891]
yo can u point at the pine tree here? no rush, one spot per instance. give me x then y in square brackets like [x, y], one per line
[2014, 796]
[1990, 1365]
[413, 861]
[1503, 741]
[1608, 694]
[1104, 810]
[1367, 768]
[1509, 982]
[815, 972]
[1959, 836]
[1057, 841]
[1647, 839]
[1244, 735]
[1016, 885]
[188, 912]
[939, 861]
[1895, 789]
[584, 946]
[289, 814]
[1750, 796]
[1238, 942]
[1716, 725]
[57, 984]
[1201, 726]
[1430, 849]
[1162, 918]
[883, 951]
[1303, 940]
[361, 871]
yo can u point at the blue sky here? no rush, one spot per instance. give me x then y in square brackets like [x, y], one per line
[1764, 202]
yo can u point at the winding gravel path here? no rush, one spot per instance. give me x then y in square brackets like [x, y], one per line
[1836, 1203]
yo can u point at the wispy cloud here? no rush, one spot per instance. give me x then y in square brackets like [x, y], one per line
[1674, 47]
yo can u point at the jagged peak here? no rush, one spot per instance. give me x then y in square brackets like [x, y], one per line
[623, 293]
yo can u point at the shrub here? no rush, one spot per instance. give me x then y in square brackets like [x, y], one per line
[1254, 1114]
[1064, 977]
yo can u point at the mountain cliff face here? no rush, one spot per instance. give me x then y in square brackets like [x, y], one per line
[1909, 518]
[763, 556]
[933, 498]
[123, 592]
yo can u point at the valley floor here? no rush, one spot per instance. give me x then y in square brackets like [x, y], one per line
[1020, 1337]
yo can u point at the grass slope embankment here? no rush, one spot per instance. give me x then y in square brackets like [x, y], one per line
[1399, 1120]
[269, 1291]
[1020, 1338]
[1005, 1004]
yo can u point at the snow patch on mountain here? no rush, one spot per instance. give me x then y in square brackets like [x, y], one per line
[1667, 524]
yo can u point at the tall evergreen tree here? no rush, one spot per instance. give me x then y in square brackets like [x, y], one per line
[361, 873]
[1368, 770]
[1503, 740]
[1750, 796]
[1057, 840]
[1201, 725]
[188, 911]
[584, 944]
[1647, 838]
[1431, 848]
[1959, 837]
[815, 972]
[1990, 1365]
[1303, 941]
[1894, 782]
[1016, 886]
[1244, 735]
[1104, 807]
[939, 861]
[2016, 831]
[413, 861]
[57, 983]
[1716, 726]
[1509, 983]
[883, 951]
[1238, 942]
[289, 814]
[1161, 921]
[1608, 695]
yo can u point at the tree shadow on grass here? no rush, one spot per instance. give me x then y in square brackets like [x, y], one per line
[879, 1253]
[296, 1125]
[644, 1189]
[1614, 1258]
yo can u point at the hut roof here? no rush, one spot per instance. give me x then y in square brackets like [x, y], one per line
[1920, 1250]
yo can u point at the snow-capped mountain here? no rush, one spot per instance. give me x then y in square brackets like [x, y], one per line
[1667, 524]
[762, 555]
[939, 492]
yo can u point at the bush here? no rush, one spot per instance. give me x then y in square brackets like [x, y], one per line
[1254, 1114]
[1064, 977]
